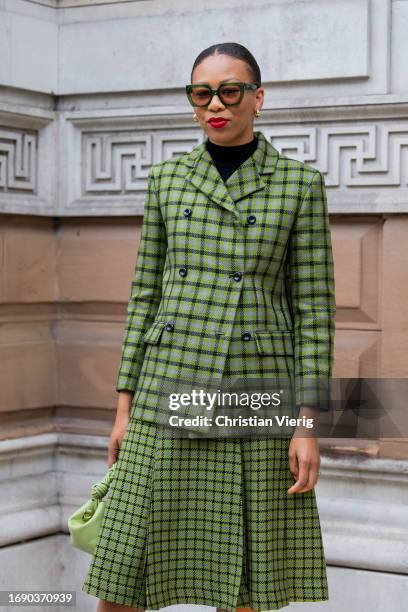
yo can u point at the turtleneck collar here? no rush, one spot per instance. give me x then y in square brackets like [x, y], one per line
[231, 154]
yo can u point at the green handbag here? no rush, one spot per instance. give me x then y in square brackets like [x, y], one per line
[85, 523]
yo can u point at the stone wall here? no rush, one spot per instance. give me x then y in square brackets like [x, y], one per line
[91, 94]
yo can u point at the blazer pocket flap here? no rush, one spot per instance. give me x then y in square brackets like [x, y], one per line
[152, 336]
[274, 343]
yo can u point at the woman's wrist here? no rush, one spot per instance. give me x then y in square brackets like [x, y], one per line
[310, 420]
[124, 402]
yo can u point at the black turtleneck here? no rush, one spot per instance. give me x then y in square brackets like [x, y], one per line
[227, 159]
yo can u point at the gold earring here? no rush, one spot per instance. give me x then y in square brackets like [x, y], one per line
[195, 118]
[257, 112]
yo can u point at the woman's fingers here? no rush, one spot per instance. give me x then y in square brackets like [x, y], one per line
[294, 465]
[312, 479]
[302, 479]
[304, 463]
[113, 450]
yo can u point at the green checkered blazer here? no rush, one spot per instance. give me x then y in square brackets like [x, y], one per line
[237, 272]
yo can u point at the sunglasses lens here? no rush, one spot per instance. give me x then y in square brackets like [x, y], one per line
[230, 93]
[200, 96]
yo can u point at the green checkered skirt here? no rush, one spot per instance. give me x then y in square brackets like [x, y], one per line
[206, 521]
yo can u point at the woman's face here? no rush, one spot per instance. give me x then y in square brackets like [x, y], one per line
[239, 127]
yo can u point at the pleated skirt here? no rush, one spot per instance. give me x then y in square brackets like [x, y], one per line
[206, 521]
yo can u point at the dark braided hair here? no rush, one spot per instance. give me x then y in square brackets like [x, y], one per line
[232, 49]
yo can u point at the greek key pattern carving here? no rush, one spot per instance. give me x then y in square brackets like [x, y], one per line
[18, 161]
[116, 162]
[347, 155]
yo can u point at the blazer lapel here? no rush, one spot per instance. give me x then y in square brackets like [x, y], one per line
[245, 180]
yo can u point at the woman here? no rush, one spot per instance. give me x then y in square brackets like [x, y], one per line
[234, 277]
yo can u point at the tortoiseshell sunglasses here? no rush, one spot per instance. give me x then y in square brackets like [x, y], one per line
[230, 94]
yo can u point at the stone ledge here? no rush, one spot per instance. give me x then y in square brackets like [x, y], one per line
[362, 501]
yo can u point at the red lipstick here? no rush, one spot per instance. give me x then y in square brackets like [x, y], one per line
[218, 122]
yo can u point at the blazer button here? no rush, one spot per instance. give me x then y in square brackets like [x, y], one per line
[237, 276]
[187, 212]
[246, 336]
[183, 271]
[251, 219]
[169, 326]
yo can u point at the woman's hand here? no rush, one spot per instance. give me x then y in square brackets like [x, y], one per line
[120, 426]
[304, 463]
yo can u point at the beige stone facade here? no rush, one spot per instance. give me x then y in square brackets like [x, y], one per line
[86, 106]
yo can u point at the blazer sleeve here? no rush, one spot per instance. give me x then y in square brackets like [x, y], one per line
[312, 288]
[146, 289]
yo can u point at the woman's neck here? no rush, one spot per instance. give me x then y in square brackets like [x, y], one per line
[231, 152]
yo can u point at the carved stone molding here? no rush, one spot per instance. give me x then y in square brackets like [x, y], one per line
[362, 155]
[28, 162]
[365, 164]
[45, 477]
[115, 163]
[96, 162]
[18, 161]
